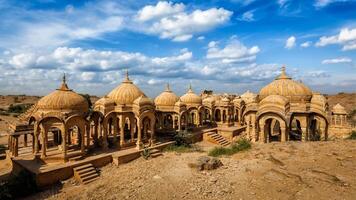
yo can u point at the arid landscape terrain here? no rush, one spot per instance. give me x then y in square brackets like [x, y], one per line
[292, 170]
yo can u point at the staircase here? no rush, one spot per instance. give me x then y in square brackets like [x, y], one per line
[24, 116]
[155, 153]
[218, 139]
[86, 173]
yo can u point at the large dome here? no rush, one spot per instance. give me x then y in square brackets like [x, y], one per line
[63, 99]
[191, 98]
[166, 98]
[126, 92]
[285, 86]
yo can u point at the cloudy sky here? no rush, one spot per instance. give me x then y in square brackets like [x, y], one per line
[227, 45]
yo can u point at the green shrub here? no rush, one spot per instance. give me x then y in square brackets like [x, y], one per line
[146, 153]
[182, 148]
[183, 144]
[352, 136]
[240, 145]
[20, 108]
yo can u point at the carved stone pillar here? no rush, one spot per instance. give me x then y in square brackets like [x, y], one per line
[105, 138]
[88, 131]
[262, 132]
[152, 138]
[132, 129]
[44, 142]
[139, 139]
[64, 143]
[16, 146]
[115, 129]
[283, 134]
[122, 129]
[179, 123]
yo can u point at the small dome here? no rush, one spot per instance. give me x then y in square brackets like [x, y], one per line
[318, 99]
[209, 99]
[190, 97]
[285, 86]
[143, 100]
[105, 101]
[237, 100]
[339, 109]
[248, 96]
[166, 98]
[275, 99]
[126, 92]
[179, 103]
[63, 99]
[225, 100]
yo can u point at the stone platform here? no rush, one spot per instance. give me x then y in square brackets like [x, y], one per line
[49, 173]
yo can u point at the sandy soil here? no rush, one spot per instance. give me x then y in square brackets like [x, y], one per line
[293, 170]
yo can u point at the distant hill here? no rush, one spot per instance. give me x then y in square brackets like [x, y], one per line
[348, 100]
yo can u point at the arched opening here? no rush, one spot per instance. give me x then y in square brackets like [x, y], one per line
[183, 122]
[146, 128]
[273, 130]
[295, 132]
[224, 116]
[236, 115]
[217, 115]
[315, 131]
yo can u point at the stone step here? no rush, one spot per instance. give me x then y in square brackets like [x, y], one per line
[85, 173]
[83, 167]
[89, 173]
[155, 153]
[91, 180]
[85, 170]
[87, 178]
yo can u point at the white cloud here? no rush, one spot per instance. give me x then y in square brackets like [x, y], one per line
[247, 16]
[201, 38]
[306, 44]
[233, 52]
[162, 9]
[182, 26]
[337, 60]
[281, 3]
[290, 43]
[323, 3]
[87, 76]
[346, 38]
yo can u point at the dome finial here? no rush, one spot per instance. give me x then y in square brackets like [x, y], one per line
[64, 85]
[283, 73]
[127, 79]
[190, 88]
[168, 88]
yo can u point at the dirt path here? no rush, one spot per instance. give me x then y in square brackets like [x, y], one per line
[318, 170]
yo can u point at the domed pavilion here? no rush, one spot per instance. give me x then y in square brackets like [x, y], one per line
[194, 107]
[126, 115]
[287, 110]
[59, 125]
[169, 111]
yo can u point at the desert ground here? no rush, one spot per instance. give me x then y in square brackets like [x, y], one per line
[293, 170]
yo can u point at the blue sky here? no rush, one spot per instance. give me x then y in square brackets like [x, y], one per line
[227, 46]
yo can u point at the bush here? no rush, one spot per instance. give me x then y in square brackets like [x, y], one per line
[20, 108]
[352, 136]
[240, 145]
[183, 144]
[17, 186]
[183, 148]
